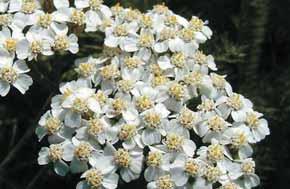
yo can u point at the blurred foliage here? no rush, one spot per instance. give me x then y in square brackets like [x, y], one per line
[251, 44]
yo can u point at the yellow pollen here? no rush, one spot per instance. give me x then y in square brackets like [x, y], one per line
[194, 78]
[86, 69]
[132, 15]
[146, 40]
[229, 185]
[159, 80]
[94, 178]
[171, 20]
[167, 33]
[28, 6]
[10, 44]
[174, 141]
[252, 120]
[144, 103]
[216, 123]
[5, 19]
[110, 72]
[83, 151]
[146, 21]
[121, 30]
[132, 62]
[215, 152]
[218, 81]
[152, 120]
[80, 106]
[101, 97]
[154, 159]
[119, 105]
[45, 20]
[187, 34]
[67, 92]
[95, 4]
[117, 9]
[196, 24]
[156, 70]
[206, 106]
[8, 74]
[235, 101]
[239, 139]
[200, 58]
[52, 125]
[78, 17]
[127, 131]
[176, 91]
[55, 152]
[212, 174]
[165, 182]
[191, 167]
[248, 167]
[95, 127]
[126, 85]
[61, 43]
[178, 60]
[187, 118]
[36, 47]
[122, 157]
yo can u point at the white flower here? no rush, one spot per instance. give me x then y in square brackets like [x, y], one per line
[14, 73]
[9, 41]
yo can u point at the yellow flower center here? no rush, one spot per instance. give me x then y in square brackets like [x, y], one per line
[215, 152]
[196, 24]
[132, 62]
[52, 125]
[187, 34]
[132, 15]
[146, 40]
[252, 120]
[95, 127]
[239, 139]
[187, 118]
[176, 91]
[159, 80]
[126, 85]
[78, 17]
[119, 105]
[80, 106]
[235, 101]
[5, 19]
[121, 30]
[165, 182]
[83, 151]
[174, 141]
[178, 60]
[122, 157]
[28, 6]
[212, 174]
[110, 72]
[101, 97]
[10, 44]
[171, 20]
[95, 4]
[8, 74]
[36, 47]
[94, 178]
[248, 167]
[86, 69]
[154, 159]
[206, 106]
[55, 152]
[167, 33]
[218, 81]
[216, 123]
[45, 20]
[127, 131]
[61, 43]
[191, 167]
[156, 70]
[200, 58]
[144, 103]
[146, 21]
[152, 120]
[230, 185]
[194, 78]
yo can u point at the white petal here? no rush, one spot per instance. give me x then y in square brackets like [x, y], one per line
[111, 181]
[189, 147]
[23, 83]
[60, 3]
[4, 88]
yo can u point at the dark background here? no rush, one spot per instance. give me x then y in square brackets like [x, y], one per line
[251, 44]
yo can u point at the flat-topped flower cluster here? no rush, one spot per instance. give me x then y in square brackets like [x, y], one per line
[129, 112]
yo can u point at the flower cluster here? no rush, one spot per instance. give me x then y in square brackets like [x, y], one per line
[128, 112]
